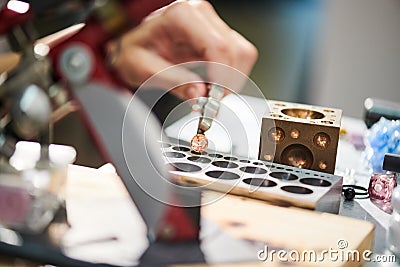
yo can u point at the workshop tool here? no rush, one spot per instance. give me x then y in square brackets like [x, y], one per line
[303, 136]
[79, 62]
[276, 183]
[29, 189]
[209, 110]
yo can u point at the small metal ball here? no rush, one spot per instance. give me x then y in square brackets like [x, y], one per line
[199, 143]
[349, 193]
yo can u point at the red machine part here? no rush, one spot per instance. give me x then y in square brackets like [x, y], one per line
[176, 224]
[9, 19]
[95, 35]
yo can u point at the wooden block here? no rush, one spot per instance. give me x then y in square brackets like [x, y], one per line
[250, 219]
[289, 228]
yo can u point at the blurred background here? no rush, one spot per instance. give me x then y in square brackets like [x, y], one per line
[333, 53]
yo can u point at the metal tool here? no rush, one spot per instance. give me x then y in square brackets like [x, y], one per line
[210, 108]
[78, 61]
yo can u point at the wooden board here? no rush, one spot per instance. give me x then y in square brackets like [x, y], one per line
[289, 228]
[250, 219]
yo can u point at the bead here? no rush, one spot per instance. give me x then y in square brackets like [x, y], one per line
[349, 193]
[199, 143]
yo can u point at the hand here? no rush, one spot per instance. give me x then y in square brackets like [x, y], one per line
[183, 31]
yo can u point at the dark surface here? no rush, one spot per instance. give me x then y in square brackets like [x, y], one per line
[163, 254]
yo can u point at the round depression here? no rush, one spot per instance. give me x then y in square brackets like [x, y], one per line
[231, 158]
[315, 182]
[225, 164]
[224, 175]
[297, 155]
[303, 113]
[199, 159]
[181, 148]
[198, 153]
[244, 161]
[284, 176]
[185, 167]
[296, 189]
[176, 155]
[215, 155]
[259, 182]
[255, 170]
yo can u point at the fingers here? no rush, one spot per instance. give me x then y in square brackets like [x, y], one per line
[189, 25]
[185, 31]
[243, 54]
[142, 67]
[214, 40]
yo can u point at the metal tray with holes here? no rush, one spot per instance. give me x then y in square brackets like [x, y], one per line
[279, 184]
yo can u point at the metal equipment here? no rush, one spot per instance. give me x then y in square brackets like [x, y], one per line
[303, 136]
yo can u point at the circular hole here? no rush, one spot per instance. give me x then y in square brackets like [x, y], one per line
[289, 169]
[181, 148]
[245, 161]
[329, 110]
[231, 158]
[277, 115]
[215, 155]
[164, 145]
[225, 164]
[280, 105]
[268, 157]
[303, 113]
[276, 135]
[199, 159]
[255, 170]
[268, 165]
[258, 163]
[174, 155]
[327, 122]
[322, 140]
[297, 155]
[296, 189]
[283, 176]
[259, 182]
[294, 133]
[198, 153]
[315, 182]
[185, 167]
[222, 175]
[322, 165]
[280, 168]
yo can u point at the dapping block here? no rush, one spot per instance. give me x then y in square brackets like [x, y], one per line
[300, 135]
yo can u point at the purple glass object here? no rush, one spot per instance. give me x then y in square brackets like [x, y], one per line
[381, 186]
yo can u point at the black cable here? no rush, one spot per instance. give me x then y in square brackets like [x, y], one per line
[351, 191]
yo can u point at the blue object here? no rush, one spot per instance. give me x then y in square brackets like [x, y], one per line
[383, 137]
